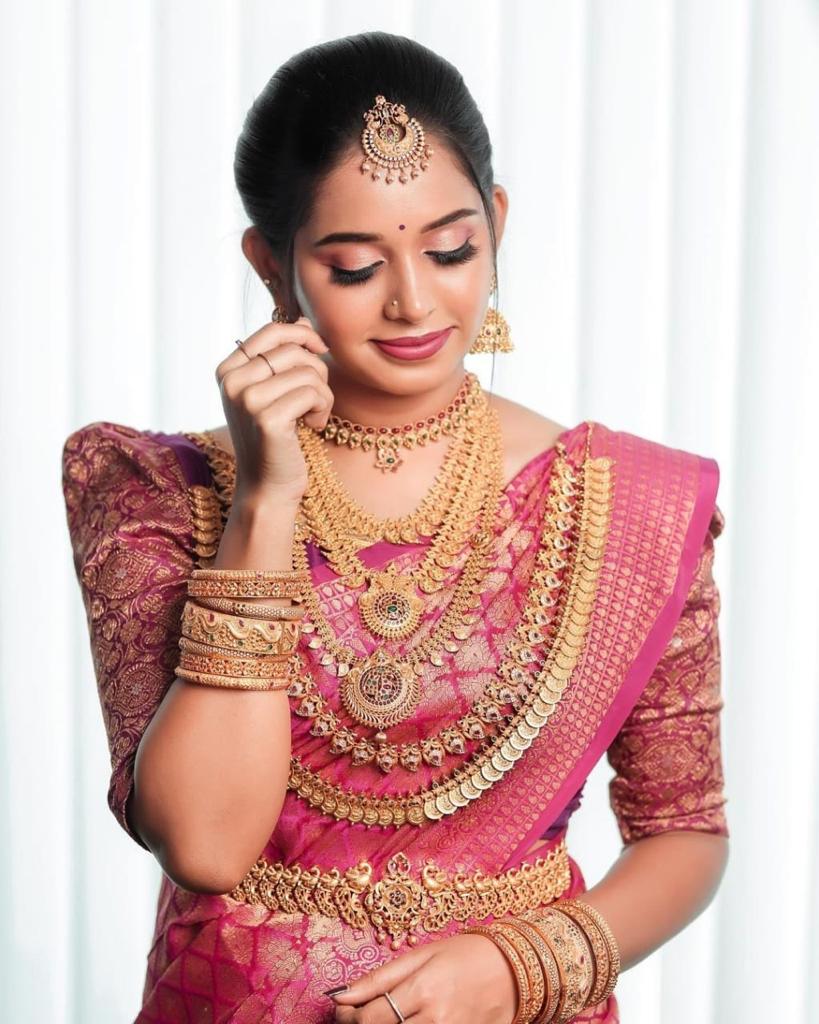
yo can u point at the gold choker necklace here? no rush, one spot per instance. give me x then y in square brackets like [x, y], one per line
[388, 441]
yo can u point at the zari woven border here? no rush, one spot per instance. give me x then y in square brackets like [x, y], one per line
[402, 903]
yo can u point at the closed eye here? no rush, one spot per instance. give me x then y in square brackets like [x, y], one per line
[463, 254]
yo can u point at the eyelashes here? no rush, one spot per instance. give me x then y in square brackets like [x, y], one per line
[463, 254]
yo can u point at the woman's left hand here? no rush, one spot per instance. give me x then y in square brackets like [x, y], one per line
[463, 979]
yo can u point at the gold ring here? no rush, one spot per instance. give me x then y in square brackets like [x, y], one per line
[272, 371]
[390, 1000]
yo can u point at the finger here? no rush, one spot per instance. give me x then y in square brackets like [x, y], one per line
[269, 337]
[258, 367]
[386, 976]
[258, 397]
[406, 997]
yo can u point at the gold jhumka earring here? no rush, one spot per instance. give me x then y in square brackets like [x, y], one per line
[494, 335]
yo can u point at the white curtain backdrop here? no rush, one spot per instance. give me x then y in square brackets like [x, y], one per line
[659, 273]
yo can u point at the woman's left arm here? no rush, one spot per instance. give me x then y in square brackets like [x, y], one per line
[657, 887]
[668, 790]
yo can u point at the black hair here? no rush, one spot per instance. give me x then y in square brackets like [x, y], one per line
[310, 114]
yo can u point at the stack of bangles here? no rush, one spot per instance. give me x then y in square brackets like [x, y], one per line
[564, 958]
[231, 639]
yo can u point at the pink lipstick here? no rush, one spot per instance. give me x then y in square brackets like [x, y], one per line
[420, 347]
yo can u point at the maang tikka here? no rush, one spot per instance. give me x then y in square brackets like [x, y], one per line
[393, 140]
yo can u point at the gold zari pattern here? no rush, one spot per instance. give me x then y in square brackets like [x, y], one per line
[400, 905]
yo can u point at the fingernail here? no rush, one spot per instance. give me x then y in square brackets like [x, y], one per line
[335, 991]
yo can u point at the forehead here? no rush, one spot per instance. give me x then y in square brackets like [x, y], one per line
[348, 199]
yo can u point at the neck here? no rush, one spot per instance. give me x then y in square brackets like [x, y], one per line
[358, 402]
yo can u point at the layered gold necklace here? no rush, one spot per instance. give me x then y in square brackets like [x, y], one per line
[382, 689]
[469, 481]
[532, 677]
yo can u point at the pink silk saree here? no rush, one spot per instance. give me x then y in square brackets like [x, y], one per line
[645, 692]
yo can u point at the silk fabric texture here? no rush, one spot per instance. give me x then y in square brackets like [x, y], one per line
[646, 693]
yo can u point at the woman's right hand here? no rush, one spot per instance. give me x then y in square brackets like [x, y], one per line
[261, 408]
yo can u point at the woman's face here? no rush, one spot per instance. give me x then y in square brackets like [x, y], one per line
[440, 275]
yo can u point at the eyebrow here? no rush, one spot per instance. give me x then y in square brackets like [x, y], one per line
[361, 236]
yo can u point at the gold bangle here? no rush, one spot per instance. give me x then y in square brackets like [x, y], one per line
[235, 633]
[242, 574]
[207, 650]
[548, 967]
[245, 586]
[608, 937]
[227, 665]
[515, 962]
[230, 682]
[271, 612]
[574, 958]
[601, 957]
[531, 961]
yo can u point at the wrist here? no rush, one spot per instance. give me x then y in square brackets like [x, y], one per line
[254, 505]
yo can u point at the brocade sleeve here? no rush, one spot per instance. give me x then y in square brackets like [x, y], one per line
[130, 526]
[667, 756]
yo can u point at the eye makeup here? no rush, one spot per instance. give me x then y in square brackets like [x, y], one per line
[462, 254]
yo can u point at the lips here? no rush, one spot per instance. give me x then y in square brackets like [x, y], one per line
[414, 349]
[411, 341]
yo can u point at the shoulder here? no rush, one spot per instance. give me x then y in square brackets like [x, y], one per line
[106, 454]
[526, 432]
[118, 481]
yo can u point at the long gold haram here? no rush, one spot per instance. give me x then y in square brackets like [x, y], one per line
[488, 707]
[489, 764]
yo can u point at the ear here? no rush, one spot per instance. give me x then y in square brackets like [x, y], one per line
[258, 254]
[500, 202]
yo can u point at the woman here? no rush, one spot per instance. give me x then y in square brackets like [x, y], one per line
[484, 604]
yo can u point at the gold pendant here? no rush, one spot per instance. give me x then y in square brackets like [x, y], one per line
[390, 607]
[381, 691]
[387, 457]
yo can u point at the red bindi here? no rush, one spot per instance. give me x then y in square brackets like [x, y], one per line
[401, 227]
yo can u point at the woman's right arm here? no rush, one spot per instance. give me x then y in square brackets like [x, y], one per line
[212, 767]
[211, 770]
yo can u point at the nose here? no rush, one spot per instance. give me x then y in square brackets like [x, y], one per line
[405, 299]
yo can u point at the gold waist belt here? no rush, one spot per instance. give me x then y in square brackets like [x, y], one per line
[400, 905]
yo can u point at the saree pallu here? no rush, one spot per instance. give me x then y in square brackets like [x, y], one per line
[145, 508]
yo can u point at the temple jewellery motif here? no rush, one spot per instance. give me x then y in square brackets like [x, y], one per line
[400, 906]
[582, 513]
[393, 141]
